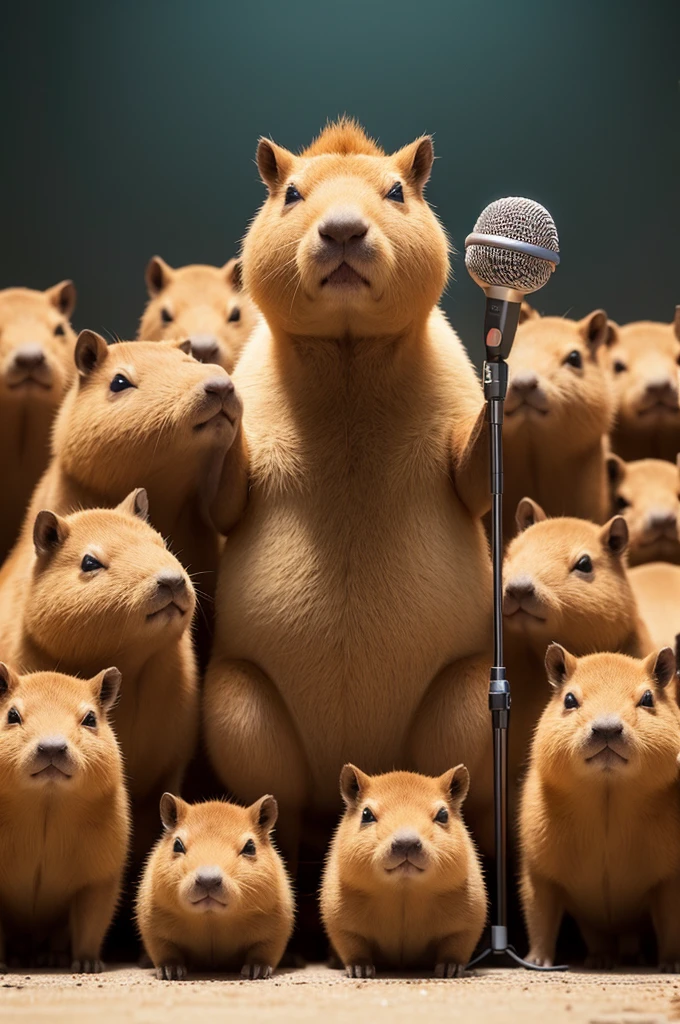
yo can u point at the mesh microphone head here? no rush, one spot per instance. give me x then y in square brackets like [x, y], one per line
[525, 221]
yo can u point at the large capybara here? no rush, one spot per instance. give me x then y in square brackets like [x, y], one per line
[558, 415]
[36, 367]
[203, 305]
[643, 360]
[355, 586]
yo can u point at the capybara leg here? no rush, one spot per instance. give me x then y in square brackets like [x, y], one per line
[3, 953]
[91, 914]
[601, 948]
[355, 953]
[543, 911]
[168, 959]
[471, 468]
[453, 954]
[261, 959]
[666, 921]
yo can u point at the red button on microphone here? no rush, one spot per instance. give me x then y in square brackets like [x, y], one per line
[494, 338]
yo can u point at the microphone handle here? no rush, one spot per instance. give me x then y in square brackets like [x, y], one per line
[500, 323]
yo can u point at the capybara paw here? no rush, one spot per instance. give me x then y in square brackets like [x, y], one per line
[87, 966]
[171, 972]
[539, 959]
[670, 967]
[256, 972]
[360, 970]
[600, 962]
[449, 970]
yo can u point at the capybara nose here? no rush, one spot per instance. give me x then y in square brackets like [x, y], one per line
[518, 591]
[523, 383]
[343, 226]
[662, 520]
[406, 843]
[172, 582]
[28, 357]
[204, 347]
[662, 389]
[220, 386]
[609, 727]
[208, 878]
[52, 748]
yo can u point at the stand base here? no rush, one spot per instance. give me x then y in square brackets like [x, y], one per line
[506, 952]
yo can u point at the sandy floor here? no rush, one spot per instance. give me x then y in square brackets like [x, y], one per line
[316, 993]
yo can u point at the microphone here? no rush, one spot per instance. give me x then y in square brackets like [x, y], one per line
[511, 252]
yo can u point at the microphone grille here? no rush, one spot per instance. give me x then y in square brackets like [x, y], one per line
[525, 221]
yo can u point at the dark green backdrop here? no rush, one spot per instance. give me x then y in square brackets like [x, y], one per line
[129, 128]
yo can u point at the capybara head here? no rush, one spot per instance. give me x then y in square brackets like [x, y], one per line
[611, 717]
[54, 732]
[643, 359]
[403, 827]
[646, 493]
[216, 857]
[103, 582]
[567, 577]
[141, 411]
[203, 305]
[345, 244]
[556, 379]
[36, 344]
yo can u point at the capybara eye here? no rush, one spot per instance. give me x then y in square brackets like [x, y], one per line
[619, 367]
[622, 503]
[90, 563]
[60, 330]
[90, 720]
[234, 316]
[249, 849]
[13, 717]
[646, 700]
[584, 564]
[292, 195]
[367, 816]
[396, 193]
[570, 702]
[574, 359]
[166, 316]
[178, 846]
[120, 383]
[442, 816]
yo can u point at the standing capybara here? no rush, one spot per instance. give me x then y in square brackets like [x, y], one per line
[36, 367]
[403, 887]
[600, 819]
[64, 818]
[558, 415]
[205, 306]
[647, 494]
[354, 601]
[643, 360]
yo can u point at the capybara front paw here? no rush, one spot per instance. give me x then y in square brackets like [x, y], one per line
[539, 959]
[449, 970]
[360, 970]
[256, 972]
[669, 967]
[87, 966]
[171, 972]
[599, 962]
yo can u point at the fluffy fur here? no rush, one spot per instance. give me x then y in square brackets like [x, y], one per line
[656, 586]
[647, 494]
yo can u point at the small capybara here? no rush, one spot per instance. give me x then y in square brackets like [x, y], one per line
[403, 888]
[64, 818]
[353, 616]
[646, 493]
[643, 360]
[565, 579]
[656, 586]
[558, 414]
[600, 818]
[102, 587]
[36, 367]
[204, 305]
[215, 895]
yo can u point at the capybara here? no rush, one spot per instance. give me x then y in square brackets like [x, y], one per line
[36, 367]
[643, 360]
[600, 818]
[656, 586]
[203, 305]
[558, 414]
[64, 818]
[355, 586]
[646, 493]
[215, 894]
[403, 888]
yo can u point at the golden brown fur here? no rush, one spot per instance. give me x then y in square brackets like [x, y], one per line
[403, 889]
[36, 367]
[600, 819]
[656, 586]
[221, 902]
[646, 493]
[205, 305]
[557, 417]
[354, 592]
[64, 822]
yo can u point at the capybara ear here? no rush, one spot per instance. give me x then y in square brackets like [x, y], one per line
[157, 275]
[183, 346]
[8, 680]
[527, 312]
[612, 333]
[415, 162]
[594, 329]
[136, 504]
[676, 322]
[274, 163]
[172, 810]
[91, 351]
[63, 296]
[456, 783]
[559, 664]
[353, 784]
[614, 535]
[233, 273]
[661, 666]
[49, 532]
[107, 687]
[528, 513]
[265, 811]
[616, 470]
